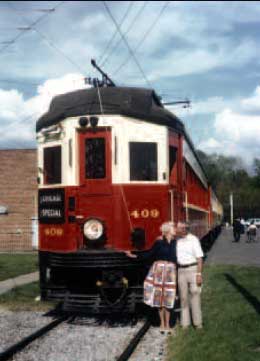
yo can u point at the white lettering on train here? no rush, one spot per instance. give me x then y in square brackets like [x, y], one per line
[50, 198]
[51, 213]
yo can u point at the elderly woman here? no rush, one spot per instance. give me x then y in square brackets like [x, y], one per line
[160, 283]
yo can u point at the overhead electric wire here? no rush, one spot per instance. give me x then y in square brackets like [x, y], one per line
[36, 10]
[127, 45]
[21, 144]
[31, 25]
[24, 119]
[143, 38]
[126, 32]
[51, 44]
[100, 60]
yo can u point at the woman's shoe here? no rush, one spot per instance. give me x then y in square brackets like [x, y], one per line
[171, 331]
[162, 331]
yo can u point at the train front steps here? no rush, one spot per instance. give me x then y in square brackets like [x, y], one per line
[85, 304]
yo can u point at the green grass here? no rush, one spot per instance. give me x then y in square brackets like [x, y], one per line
[23, 299]
[13, 265]
[231, 324]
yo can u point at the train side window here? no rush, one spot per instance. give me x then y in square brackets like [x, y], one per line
[52, 165]
[143, 161]
[70, 152]
[95, 156]
[172, 157]
[184, 172]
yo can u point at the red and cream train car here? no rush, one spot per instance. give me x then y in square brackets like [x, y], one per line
[114, 165]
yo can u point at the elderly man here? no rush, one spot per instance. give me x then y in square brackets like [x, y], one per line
[189, 258]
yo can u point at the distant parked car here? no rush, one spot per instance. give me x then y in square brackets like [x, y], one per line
[255, 220]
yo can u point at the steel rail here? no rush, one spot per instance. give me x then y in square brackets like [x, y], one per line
[134, 342]
[20, 345]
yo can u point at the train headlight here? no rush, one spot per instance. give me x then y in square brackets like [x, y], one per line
[93, 229]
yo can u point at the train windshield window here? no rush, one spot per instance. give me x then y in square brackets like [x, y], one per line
[172, 157]
[143, 161]
[95, 156]
[52, 165]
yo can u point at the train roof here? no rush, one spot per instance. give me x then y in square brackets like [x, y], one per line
[138, 103]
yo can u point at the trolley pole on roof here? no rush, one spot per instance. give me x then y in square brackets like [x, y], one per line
[106, 80]
[231, 209]
[186, 103]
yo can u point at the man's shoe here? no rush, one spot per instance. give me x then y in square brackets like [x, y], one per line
[199, 327]
[185, 327]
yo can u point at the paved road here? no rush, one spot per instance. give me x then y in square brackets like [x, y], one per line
[7, 285]
[226, 251]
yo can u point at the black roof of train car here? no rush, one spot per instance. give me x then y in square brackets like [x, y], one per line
[140, 103]
[132, 102]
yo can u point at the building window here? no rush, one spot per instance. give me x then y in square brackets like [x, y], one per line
[143, 161]
[52, 165]
[95, 155]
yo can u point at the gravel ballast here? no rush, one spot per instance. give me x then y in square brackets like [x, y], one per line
[16, 325]
[78, 341]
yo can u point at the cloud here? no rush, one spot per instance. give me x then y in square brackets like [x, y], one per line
[18, 116]
[252, 103]
[236, 133]
[12, 104]
[244, 129]
[202, 60]
[81, 31]
[211, 145]
[187, 49]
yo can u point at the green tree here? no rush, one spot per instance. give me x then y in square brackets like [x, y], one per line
[228, 174]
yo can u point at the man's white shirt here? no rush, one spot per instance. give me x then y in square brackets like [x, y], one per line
[188, 249]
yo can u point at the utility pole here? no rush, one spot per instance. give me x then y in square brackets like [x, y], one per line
[231, 209]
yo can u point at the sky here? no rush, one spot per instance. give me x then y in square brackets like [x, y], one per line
[207, 52]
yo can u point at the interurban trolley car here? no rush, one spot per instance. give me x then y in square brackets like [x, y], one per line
[114, 164]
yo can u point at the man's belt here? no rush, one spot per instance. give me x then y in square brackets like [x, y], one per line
[187, 265]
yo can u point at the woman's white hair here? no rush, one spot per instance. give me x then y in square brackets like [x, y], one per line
[166, 227]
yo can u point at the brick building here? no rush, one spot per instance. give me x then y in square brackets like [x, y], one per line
[18, 194]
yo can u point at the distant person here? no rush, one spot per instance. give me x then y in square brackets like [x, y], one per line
[189, 258]
[243, 225]
[237, 227]
[251, 232]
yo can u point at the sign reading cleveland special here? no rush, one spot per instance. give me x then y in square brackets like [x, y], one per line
[51, 206]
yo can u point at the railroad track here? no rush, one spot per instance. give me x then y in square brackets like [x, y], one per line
[126, 354]
[19, 346]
